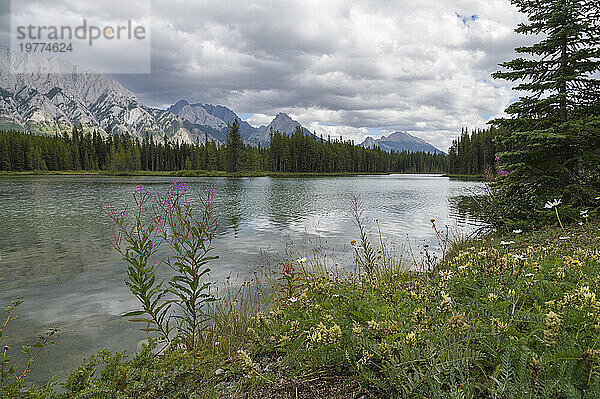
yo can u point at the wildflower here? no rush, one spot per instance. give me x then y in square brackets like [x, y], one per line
[246, 359]
[552, 204]
[511, 293]
[597, 198]
[446, 303]
[497, 158]
[446, 274]
[301, 260]
[506, 242]
[293, 299]
[356, 328]
[492, 297]
[445, 296]
[529, 275]
[563, 238]
[503, 173]
[432, 220]
[518, 231]
[588, 297]
[353, 242]
[365, 358]
[499, 325]
[294, 326]
[373, 325]
[411, 338]
[552, 321]
[324, 335]
[284, 338]
[583, 213]
[393, 327]
[376, 220]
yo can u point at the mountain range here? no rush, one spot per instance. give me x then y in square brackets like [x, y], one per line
[401, 141]
[52, 103]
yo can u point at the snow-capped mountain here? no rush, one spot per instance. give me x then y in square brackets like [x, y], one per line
[282, 123]
[401, 141]
[209, 118]
[216, 118]
[51, 103]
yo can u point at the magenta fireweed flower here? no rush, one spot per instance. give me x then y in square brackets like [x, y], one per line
[503, 173]
[168, 220]
[209, 195]
[177, 185]
[497, 158]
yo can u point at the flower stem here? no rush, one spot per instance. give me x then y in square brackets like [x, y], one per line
[558, 217]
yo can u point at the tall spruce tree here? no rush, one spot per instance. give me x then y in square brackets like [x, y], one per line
[235, 148]
[551, 141]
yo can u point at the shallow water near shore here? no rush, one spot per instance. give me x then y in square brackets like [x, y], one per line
[54, 248]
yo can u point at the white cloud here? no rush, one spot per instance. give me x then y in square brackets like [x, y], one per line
[417, 66]
[259, 119]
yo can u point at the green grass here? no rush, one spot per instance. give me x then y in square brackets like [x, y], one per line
[513, 316]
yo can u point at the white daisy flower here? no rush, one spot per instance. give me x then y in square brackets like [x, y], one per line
[553, 203]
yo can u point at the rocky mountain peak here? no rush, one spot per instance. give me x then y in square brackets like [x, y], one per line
[401, 141]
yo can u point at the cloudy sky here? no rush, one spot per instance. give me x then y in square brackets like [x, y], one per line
[339, 67]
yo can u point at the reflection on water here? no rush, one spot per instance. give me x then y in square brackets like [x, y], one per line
[54, 248]
[467, 207]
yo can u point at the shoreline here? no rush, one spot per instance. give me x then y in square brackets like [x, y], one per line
[319, 341]
[202, 173]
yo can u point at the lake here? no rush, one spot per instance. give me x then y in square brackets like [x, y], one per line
[54, 248]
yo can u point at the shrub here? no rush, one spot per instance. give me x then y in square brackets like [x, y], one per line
[12, 377]
[175, 310]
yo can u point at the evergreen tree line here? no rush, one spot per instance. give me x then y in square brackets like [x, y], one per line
[550, 139]
[473, 153]
[21, 151]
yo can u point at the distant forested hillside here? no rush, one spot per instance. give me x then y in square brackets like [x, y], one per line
[298, 152]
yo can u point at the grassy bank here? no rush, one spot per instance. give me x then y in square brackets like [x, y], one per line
[181, 173]
[505, 316]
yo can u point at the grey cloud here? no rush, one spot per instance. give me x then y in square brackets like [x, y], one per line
[388, 65]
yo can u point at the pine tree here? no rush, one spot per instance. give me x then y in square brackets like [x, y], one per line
[551, 143]
[235, 148]
[5, 153]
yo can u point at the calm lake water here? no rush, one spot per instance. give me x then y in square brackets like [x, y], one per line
[54, 248]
